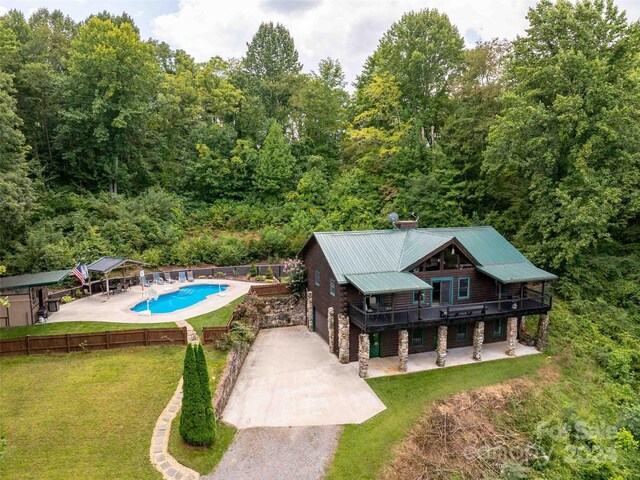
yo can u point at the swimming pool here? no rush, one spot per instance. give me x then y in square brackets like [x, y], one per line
[183, 298]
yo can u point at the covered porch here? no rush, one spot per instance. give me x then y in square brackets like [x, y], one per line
[418, 362]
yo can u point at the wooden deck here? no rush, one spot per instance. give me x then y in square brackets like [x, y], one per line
[389, 319]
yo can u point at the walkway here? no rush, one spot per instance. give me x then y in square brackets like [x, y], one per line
[418, 362]
[296, 453]
[290, 379]
[117, 308]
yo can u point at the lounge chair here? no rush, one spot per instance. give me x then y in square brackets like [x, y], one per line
[157, 280]
[190, 276]
[145, 282]
[167, 277]
[182, 278]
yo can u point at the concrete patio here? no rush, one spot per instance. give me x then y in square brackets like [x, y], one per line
[117, 308]
[418, 362]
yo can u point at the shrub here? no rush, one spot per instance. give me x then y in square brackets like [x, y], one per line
[203, 374]
[297, 275]
[67, 299]
[219, 274]
[239, 337]
[269, 274]
[193, 418]
[253, 271]
[79, 293]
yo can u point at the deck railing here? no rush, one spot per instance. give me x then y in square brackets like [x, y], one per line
[386, 317]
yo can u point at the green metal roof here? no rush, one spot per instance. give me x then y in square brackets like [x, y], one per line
[383, 251]
[33, 279]
[387, 282]
[516, 272]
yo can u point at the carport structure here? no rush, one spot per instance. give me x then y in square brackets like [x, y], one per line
[104, 266]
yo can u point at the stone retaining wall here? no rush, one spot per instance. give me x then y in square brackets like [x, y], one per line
[230, 374]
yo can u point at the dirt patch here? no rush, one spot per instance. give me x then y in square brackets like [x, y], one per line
[461, 437]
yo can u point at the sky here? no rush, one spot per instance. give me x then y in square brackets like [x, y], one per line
[348, 30]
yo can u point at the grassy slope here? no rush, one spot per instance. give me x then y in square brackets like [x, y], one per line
[84, 415]
[75, 327]
[204, 459]
[364, 449]
[217, 318]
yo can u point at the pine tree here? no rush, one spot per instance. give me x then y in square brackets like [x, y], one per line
[275, 165]
[203, 375]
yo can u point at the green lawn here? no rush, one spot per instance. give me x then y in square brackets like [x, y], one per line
[364, 449]
[84, 415]
[75, 327]
[217, 318]
[203, 460]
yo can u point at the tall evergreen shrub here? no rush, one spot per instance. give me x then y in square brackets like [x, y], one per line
[193, 418]
[203, 375]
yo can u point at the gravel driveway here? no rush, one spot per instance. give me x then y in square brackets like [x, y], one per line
[278, 453]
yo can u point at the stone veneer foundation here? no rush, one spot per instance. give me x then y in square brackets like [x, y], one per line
[543, 327]
[310, 310]
[441, 348]
[331, 327]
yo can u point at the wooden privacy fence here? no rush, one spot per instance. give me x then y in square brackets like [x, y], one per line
[80, 342]
[270, 290]
[213, 334]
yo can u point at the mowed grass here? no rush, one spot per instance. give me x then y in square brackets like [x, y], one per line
[84, 415]
[365, 449]
[203, 459]
[217, 318]
[58, 328]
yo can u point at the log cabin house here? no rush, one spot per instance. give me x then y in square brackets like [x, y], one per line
[408, 290]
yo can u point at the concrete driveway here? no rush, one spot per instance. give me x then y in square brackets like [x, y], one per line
[290, 379]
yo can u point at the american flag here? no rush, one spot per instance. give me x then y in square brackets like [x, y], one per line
[78, 272]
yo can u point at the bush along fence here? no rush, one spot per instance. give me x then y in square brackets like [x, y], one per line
[235, 271]
[262, 308]
[83, 342]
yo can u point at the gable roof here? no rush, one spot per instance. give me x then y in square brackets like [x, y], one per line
[378, 251]
[33, 279]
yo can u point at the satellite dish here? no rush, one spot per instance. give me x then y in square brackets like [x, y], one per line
[393, 217]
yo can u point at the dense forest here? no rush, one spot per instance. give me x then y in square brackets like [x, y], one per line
[111, 144]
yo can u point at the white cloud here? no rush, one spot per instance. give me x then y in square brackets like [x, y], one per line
[347, 30]
[3, 10]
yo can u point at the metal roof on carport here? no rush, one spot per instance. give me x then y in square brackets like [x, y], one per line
[33, 279]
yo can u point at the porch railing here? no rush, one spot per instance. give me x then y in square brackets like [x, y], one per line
[382, 318]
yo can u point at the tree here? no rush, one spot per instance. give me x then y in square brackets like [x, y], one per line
[562, 161]
[108, 91]
[203, 374]
[424, 52]
[271, 67]
[16, 189]
[194, 426]
[274, 170]
[319, 106]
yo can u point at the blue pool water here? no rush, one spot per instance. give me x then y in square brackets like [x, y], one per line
[183, 298]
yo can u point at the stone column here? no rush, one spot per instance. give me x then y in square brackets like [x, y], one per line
[403, 349]
[512, 335]
[478, 340]
[343, 338]
[441, 348]
[330, 322]
[543, 327]
[363, 355]
[310, 310]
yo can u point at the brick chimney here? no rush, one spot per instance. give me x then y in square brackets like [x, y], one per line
[406, 224]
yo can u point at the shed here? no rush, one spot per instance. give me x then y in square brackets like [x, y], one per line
[28, 297]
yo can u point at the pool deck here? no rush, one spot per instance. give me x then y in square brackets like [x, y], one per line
[116, 308]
